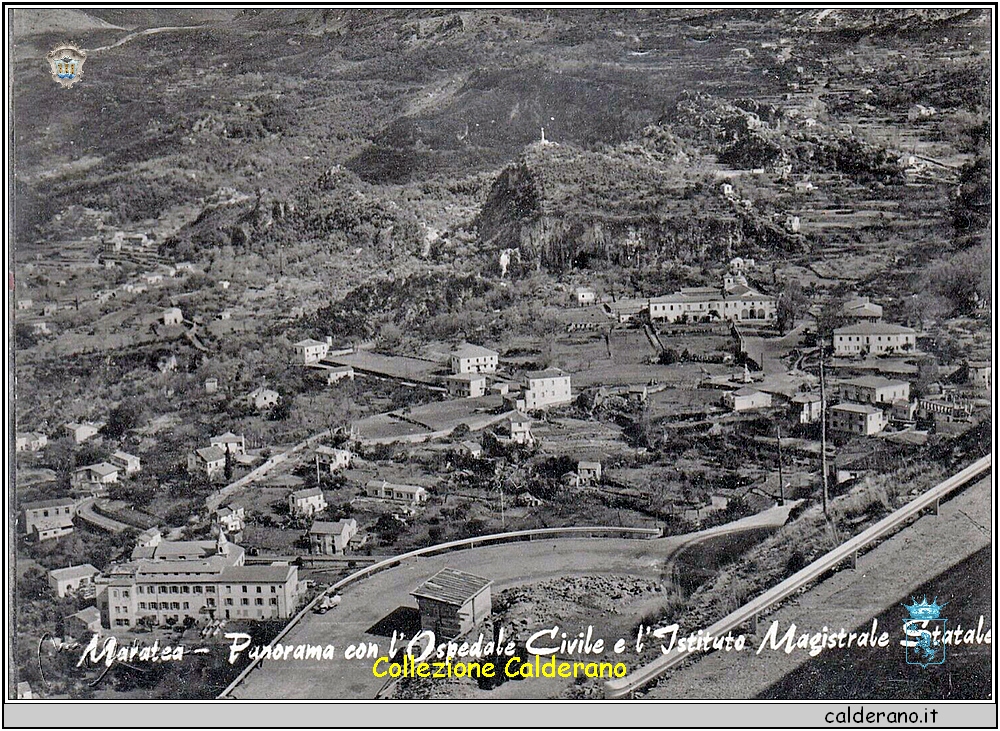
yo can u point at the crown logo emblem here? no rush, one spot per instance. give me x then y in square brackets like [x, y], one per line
[923, 610]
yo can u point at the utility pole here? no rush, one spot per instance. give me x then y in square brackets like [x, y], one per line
[781, 479]
[822, 422]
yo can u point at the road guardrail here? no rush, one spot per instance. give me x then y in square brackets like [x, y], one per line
[621, 687]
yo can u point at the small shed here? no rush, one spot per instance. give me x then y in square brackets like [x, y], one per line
[453, 602]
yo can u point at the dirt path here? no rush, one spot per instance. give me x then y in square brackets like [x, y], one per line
[148, 32]
[885, 577]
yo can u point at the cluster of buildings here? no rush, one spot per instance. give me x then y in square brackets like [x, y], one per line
[735, 301]
[211, 460]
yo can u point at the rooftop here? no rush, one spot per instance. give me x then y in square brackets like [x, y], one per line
[468, 350]
[272, 573]
[326, 527]
[74, 572]
[467, 377]
[857, 408]
[547, 373]
[874, 328]
[211, 454]
[308, 343]
[56, 503]
[226, 438]
[452, 587]
[306, 492]
[874, 382]
[805, 398]
[102, 468]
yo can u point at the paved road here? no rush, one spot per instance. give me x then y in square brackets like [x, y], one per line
[87, 514]
[513, 564]
[886, 576]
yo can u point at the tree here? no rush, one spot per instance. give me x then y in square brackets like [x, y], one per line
[792, 303]
[24, 336]
[122, 419]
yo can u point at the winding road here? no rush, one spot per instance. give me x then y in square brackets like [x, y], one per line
[87, 514]
[510, 564]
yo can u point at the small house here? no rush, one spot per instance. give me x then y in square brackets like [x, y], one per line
[584, 296]
[862, 419]
[30, 442]
[310, 351]
[94, 476]
[520, 428]
[413, 494]
[339, 373]
[746, 399]
[82, 624]
[172, 316]
[230, 519]
[70, 579]
[452, 603]
[39, 513]
[588, 472]
[211, 385]
[80, 433]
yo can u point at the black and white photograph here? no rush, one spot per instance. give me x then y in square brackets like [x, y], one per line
[628, 356]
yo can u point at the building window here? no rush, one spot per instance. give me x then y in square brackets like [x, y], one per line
[244, 588]
[187, 605]
[175, 605]
[229, 601]
[274, 589]
[185, 590]
[244, 601]
[197, 589]
[259, 601]
[125, 593]
[209, 589]
[175, 590]
[260, 589]
[162, 590]
[210, 602]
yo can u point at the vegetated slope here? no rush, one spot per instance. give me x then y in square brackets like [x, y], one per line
[33, 21]
[140, 18]
[629, 204]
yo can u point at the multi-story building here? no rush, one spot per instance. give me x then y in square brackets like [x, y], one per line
[329, 538]
[873, 338]
[550, 387]
[860, 419]
[229, 442]
[178, 580]
[874, 390]
[468, 358]
[520, 428]
[48, 518]
[210, 461]
[127, 463]
[466, 385]
[806, 408]
[980, 374]
[310, 351]
[30, 442]
[735, 304]
[307, 501]
[332, 459]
